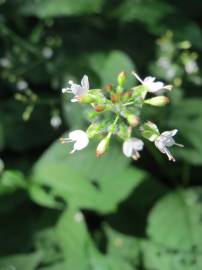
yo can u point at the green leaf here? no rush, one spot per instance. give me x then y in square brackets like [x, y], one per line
[39, 195]
[101, 262]
[146, 11]
[86, 181]
[11, 181]
[158, 257]
[56, 266]
[174, 228]
[186, 116]
[74, 239]
[184, 206]
[73, 113]
[21, 262]
[123, 247]
[109, 65]
[52, 8]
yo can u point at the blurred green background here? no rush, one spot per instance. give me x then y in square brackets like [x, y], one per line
[62, 212]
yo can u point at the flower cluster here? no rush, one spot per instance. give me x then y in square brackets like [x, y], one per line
[116, 111]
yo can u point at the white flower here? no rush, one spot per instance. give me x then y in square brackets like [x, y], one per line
[191, 67]
[131, 148]
[47, 52]
[55, 121]
[5, 62]
[79, 137]
[22, 85]
[76, 89]
[166, 140]
[153, 87]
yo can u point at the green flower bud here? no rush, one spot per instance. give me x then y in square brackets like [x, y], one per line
[121, 78]
[102, 146]
[115, 97]
[133, 120]
[86, 99]
[157, 101]
[150, 131]
[100, 107]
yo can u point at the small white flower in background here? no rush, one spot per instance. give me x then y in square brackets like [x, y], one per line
[166, 140]
[22, 85]
[47, 52]
[77, 89]
[55, 121]
[191, 67]
[131, 148]
[153, 87]
[5, 62]
[80, 138]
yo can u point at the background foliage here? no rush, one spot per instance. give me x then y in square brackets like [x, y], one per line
[62, 212]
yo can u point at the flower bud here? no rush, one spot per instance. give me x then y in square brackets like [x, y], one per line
[121, 78]
[100, 107]
[109, 87]
[115, 98]
[150, 131]
[157, 101]
[102, 146]
[86, 99]
[133, 120]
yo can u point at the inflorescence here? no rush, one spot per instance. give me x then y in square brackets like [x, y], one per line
[116, 111]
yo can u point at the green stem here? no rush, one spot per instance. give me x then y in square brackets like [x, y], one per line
[113, 126]
[10, 33]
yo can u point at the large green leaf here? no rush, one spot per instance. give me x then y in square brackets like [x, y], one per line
[146, 11]
[123, 247]
[20, 262]
[175, 230]
[99, 261]
[86, 181]
[187, 117]
[74, 239]
[158, 257]
[109, 65]
[78, 249]
[52, 8]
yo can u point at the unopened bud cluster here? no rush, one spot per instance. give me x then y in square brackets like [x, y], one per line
[116, 111]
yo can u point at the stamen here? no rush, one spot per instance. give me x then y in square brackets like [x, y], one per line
[168, 87]
[180, 145]
[66, 90]
[136, 155]
[65, 140]
[170, 157]
[72, 151]
[137, 77]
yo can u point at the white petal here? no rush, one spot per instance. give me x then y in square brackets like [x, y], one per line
[81, 143]
[77, 90]
[74, 100]
[149, 80]
[77, 134]
[85, 83]
[137, 144]
[160, 146]
[155, 87]
[127, 149]
[170, 133]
